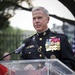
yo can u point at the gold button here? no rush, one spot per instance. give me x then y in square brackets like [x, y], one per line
[39, 50]
[29, 53]
[40, 39]
[39, 65]
[40, 46]
[40, 55]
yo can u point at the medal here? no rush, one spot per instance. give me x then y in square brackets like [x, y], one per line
[52, 44]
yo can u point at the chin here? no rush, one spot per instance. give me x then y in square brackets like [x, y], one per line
[38, 29]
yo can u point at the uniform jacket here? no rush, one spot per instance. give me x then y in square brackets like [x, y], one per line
[51, 45]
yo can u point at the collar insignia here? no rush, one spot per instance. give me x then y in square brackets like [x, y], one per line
[44, 33]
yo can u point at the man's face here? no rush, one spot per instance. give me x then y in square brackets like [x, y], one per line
[40, 20]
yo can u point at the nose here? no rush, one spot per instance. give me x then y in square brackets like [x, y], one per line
[36, 20]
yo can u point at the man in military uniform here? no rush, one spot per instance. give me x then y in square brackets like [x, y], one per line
[45, 43]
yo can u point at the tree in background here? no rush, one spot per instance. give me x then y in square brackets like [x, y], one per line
[8, 7]
[11, 38]
[7, 10]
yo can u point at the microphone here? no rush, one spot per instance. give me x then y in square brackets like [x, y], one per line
[18, 50]
[25, 44]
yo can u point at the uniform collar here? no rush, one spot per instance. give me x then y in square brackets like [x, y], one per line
[42, 34]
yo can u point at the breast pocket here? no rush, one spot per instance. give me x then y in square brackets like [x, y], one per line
[30, 50]
[31, 53]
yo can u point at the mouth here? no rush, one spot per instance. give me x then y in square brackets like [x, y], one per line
[37, 26]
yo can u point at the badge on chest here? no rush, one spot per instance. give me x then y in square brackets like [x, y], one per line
[52, 44]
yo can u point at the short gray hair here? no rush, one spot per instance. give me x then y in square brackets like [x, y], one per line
[41, 8]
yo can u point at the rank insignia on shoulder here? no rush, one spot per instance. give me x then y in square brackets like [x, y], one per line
[52, 44]
[30, 46]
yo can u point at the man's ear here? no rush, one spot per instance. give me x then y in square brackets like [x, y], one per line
[48, 19]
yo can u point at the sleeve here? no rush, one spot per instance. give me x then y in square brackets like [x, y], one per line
[3, 70]
[27, 42]
[67, 56]
[22, 55]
